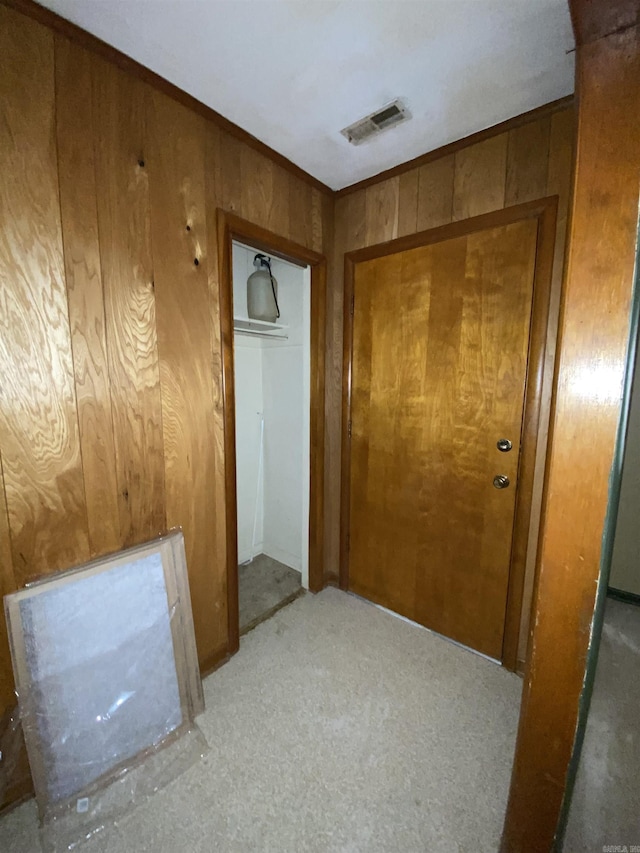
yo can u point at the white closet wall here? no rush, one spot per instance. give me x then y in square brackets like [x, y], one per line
[272, 378]
[250, 487]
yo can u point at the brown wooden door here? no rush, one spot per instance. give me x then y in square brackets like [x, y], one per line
[439, 367]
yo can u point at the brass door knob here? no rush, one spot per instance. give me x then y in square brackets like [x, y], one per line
[501, 481]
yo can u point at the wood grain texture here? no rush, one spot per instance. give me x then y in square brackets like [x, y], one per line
[176, 165]
[38, 424]
[122, 185]
[217, 191]
[527, 162]
[480, 178]
[7, 585]
[225, 178]
[302, 216]
[434, 385]
[381, 211]
[561, 155]
[258, 202]
[350, 220]
[321, 211]
[317, 340]
[279, 221]
[587, 406]
[135, 168]
[76, 171]
[435, 193]
[408, 203]
[560, 170]
[353, 230]
[136, 71]
[332, 401]
[534, 431]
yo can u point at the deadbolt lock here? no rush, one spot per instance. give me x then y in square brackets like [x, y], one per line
[504, 445]
[501, 481]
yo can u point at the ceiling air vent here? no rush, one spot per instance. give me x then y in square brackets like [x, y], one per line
[366, 128]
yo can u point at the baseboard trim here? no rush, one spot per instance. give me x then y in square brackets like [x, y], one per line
[214, 661]
[623, 595]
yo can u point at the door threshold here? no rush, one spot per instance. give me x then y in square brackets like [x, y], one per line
[430, 630]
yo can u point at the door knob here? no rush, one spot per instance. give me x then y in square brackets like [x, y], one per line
[501, 481]
[504, 445]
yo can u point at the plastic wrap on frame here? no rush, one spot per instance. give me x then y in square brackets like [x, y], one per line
[72, 823]
[107, 684]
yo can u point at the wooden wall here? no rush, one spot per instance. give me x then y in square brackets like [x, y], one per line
[598, 323]
[110, 403]
[111, 424]
[522, 164]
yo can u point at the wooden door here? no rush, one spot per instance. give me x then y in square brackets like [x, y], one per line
[439, 368]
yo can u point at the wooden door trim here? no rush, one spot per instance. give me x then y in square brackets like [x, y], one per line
[545, 211]
[232, 227]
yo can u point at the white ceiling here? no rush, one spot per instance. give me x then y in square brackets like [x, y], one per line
[295, 72]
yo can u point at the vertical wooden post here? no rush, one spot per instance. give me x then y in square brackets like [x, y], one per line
[588, 402]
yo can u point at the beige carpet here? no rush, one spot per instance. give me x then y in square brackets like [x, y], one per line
[337, 727]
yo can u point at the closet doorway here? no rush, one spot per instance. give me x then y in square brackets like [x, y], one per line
[273, 419]
[271, 343]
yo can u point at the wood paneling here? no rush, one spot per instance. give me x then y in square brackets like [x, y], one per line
[219, 191]
[135, 70]
[527, 162]
[176, 152]
[122, 185]
[435, 193]
[7, 585]
[381, 211]
[114, 359]
[583, 460]
[350, 217]
[76, 168]
[112, 341]
[321, 217]
[38, 422]
[480, 178]
[482, 175]
[301, 216]
[408, 211]
[112, 413]
[257, 200]
[457, 145]
[560, 166]
[224, 179]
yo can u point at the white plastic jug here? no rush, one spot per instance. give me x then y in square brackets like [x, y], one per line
[262, 292]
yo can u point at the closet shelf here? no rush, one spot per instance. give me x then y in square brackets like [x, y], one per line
[259, 328]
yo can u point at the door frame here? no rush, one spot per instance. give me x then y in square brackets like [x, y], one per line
[545, 211]
[230, 228]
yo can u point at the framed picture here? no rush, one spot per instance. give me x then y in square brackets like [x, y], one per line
[106, 667]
